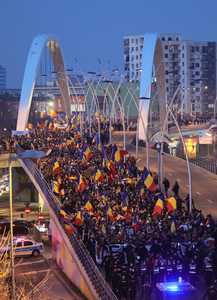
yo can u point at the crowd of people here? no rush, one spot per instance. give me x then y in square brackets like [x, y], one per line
[136, 233]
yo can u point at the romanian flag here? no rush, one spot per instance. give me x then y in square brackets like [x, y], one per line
[88, 154]
[56, 187]
[158, 208]
[81, 185]
[171, 204]
[78, 219]
[111, 167]
[99, 177]
[56, 167]
[88, 206]
[149, 181]
[63, 213]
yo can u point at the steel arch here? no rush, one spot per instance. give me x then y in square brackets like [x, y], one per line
[152, 55]
[30, 74]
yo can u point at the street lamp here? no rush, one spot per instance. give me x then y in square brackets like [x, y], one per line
[13, 283]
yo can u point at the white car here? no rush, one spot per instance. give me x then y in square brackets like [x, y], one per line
[25, 247]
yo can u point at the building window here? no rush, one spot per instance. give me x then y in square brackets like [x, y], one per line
[166, 55]
[166, 47]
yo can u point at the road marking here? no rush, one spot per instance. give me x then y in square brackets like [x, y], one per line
[31, 262]
[198, 193]
[33, 272]
[209, 200]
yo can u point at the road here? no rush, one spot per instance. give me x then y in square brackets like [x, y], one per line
[42, 279]
[204, 183]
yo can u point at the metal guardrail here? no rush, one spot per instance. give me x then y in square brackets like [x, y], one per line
[102, 288]
[207, 164]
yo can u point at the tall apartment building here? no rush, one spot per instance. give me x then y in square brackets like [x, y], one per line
[3, 78]
[188, 64]
[198, 77]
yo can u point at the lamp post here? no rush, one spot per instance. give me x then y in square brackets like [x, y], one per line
[13, 284]
[158, 148]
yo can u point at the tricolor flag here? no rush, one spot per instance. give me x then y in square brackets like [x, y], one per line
[99, 177]
[81, 185]
[78, 219]
[56, 187]
[149, 181]
[158, 208]
[88, 206]
[119, 155]
[171, 204]
[111, 167]
[88, 154]
[56, 167]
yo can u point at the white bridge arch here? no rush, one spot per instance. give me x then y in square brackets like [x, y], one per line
[152, 56]
[30, 74]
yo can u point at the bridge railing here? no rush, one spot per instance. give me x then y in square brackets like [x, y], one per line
[103, 290]
[205, 163]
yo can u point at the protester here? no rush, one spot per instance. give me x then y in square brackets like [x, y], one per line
[134, 232]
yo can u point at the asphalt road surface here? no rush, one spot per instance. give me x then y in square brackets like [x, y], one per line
[204, 183]
[42, 279]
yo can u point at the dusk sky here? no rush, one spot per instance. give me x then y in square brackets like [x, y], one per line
[92, 29]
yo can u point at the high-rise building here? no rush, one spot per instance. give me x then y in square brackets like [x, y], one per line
[189, 65]
[3, 78]
[198, 77]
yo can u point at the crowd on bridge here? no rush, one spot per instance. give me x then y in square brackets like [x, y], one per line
[136, 232]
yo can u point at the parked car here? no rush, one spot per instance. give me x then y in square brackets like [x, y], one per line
[24, 247]
[18, 228]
